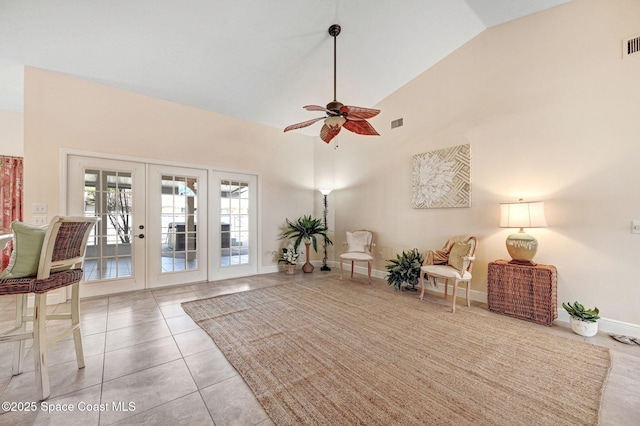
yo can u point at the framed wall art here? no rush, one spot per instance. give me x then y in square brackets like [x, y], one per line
[442, 178]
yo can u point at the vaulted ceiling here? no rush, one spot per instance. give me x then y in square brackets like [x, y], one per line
[259, 60]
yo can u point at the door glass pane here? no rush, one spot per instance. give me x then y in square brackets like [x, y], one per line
[179, 223]
[108, 195]
[234, 223]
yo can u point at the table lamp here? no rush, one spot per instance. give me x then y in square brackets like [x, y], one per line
[521, 246]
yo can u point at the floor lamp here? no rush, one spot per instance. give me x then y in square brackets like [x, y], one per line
[324, 193]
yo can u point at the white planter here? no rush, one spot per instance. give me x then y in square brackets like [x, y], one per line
[583, 328]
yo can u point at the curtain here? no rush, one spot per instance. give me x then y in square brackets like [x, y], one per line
[11, 194]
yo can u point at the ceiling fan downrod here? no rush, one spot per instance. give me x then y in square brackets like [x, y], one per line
[334, 31]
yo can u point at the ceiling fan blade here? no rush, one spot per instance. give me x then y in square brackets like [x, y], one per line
[326, 133]
[315, 108]
[303, 124]
[359, 112]
[361, 127]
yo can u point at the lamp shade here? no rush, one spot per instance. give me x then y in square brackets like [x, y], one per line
[325, 191]
[528, 214]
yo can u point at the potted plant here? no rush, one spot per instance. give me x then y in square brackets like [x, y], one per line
[289, 257]
[583, 321]
[305, 229]
[405, 269]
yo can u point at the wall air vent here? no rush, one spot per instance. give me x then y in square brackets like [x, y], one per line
[631, 46]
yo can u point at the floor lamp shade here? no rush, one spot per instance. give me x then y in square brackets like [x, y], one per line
[521, 246]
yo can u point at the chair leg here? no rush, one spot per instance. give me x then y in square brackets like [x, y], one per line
[421, 284]
[40, 345]
[453, 296]
[468, 293]
[369, 270]
[75, 323]
[352, 269]
[21, 326]
[341, 269]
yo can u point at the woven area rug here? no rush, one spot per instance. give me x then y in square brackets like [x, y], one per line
[336, 353]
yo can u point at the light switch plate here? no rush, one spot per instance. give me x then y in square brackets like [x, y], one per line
[39, 208]
[39, 220]
[635, 226]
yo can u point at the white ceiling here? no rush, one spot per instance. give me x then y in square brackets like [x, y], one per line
[254, 59]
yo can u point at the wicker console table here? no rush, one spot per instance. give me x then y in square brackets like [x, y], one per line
[525, 292]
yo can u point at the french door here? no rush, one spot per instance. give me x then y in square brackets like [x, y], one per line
[177, 230]
[162, 225]
[234, 236]
[113, 191]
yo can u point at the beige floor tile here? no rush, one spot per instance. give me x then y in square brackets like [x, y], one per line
[186, 411]
[193, 342]
[136, 334]
[140, 357]
[209, 367]
[133, 317]
[181, 324]
[70, 410]
[147, 389]
[233, 403]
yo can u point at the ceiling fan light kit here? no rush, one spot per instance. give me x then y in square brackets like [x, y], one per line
[352, 118]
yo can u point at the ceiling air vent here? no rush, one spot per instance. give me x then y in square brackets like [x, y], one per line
[397, 123]
[630, 46]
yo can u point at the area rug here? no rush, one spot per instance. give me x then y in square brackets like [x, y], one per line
[337, 353]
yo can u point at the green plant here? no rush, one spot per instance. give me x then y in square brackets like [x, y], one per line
[305, 229]
[405, 268]
[579, 311]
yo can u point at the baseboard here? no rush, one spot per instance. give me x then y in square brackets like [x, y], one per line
[605, 324]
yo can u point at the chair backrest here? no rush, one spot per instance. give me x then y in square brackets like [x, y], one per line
[64, 244]
[359, 241]
[473, 242]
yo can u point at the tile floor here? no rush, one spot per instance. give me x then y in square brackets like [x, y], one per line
[148, 363]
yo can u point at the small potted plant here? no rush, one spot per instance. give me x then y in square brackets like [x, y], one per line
[289, 257]
[305, 229]
[405, 269]
[583, 321]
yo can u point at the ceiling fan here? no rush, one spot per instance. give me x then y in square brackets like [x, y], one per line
[352, 118]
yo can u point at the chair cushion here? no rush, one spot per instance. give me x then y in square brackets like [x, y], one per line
[27, 245]
[457, 254]
[357, 242]
[356, 256]
[445, 271]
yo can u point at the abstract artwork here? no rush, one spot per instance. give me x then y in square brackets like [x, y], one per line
[442, 178]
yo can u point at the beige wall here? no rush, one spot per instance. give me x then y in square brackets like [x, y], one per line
[11, 133]
[551, 112]
[64, 112]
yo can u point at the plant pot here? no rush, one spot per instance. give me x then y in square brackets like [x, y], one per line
[583, 328]
[289, 269]
[307, 267]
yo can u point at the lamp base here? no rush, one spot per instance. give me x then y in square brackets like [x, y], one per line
[325, 268]
[522, 262]
[522, 248]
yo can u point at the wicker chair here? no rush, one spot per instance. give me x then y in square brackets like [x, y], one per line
[60, 265]
[358, 248]
[453, 262]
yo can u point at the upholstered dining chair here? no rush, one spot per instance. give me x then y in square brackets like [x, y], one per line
[451, 263]
[358, 248]
[45, 259]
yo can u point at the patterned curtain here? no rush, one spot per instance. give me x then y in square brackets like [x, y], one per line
[11, 194]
